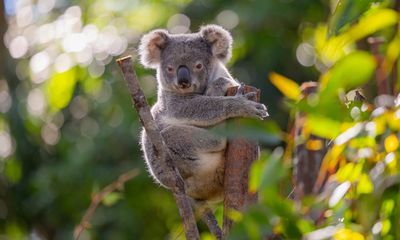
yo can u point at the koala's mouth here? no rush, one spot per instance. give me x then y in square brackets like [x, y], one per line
[184, 85]
[188, 88]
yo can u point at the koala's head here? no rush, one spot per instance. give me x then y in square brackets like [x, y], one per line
[184, 61]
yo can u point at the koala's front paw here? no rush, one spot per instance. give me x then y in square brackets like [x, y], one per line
[261, 110]
[255, 110]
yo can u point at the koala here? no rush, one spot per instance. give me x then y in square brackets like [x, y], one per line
[192, 81]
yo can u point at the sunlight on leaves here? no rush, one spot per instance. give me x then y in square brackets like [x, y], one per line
[255, 175]
[339, 193]
[314, 144]
[322, 126]
[350, 72]
[347, 12]
[287, 86]
[60, 89]
[350, 172]
[336, 47]
[346, 234]
[349, 134]
[392, 53]
[236, 216]
[374, 20]
[391, 143]
[365, 185]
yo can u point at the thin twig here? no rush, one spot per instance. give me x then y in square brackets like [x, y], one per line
[98, 197]
[212, 224]
[172, 178]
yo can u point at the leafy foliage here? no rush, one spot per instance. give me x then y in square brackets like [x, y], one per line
[67, 127]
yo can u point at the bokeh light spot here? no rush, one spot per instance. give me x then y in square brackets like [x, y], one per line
[18, 47]
[36, 102]
[39, 62]
[305, 54]
[63, 63]
[6, 147]
[178, 23]
[50, 134]
[228, 19]
[79, 107]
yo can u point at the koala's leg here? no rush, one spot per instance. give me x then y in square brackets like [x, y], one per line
[157, 170]
[200, 157]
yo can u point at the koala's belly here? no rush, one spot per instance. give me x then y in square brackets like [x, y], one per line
[206, 181]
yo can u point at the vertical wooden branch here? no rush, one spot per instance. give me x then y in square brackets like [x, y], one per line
[395, 70]
[380, 74]
[173, 179]
[239, 155]
[308, 153]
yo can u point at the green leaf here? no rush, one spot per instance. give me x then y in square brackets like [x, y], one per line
[347, 12]
[273, 169]
[335, 48]
[112, 198]
[13, 170]
[322, 126]
[265, 131]
[60, 88]
[350, 72]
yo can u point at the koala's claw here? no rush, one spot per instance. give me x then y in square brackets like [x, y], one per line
[262, 111]
[240, 90]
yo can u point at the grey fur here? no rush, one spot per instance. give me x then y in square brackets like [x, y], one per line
[184, 115]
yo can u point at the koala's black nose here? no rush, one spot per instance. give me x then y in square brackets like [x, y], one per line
[183, 76]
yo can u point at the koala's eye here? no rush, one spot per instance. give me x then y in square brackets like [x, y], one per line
[170, 69]
[199, 66]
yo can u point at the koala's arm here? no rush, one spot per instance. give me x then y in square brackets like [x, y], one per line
[205, 111]
[220, 86]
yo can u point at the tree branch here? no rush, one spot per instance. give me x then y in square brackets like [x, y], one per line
[239, 155]
[98, 197]
[172, 178]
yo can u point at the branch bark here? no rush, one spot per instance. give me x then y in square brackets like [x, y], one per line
[239, 156]
[308, 153]
[173, 179]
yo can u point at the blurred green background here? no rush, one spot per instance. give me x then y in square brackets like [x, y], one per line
[67, 128]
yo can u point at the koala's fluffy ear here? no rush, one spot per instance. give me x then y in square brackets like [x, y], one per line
[220, 41]
[150, 47]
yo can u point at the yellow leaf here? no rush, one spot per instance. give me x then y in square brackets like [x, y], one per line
[364, 184]
[376, 20]
[386, 225]
[346, 234]
[234, 215]
[392, 53]
[314, 144]
[335, 48]
[391, 143]
[287, 86]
